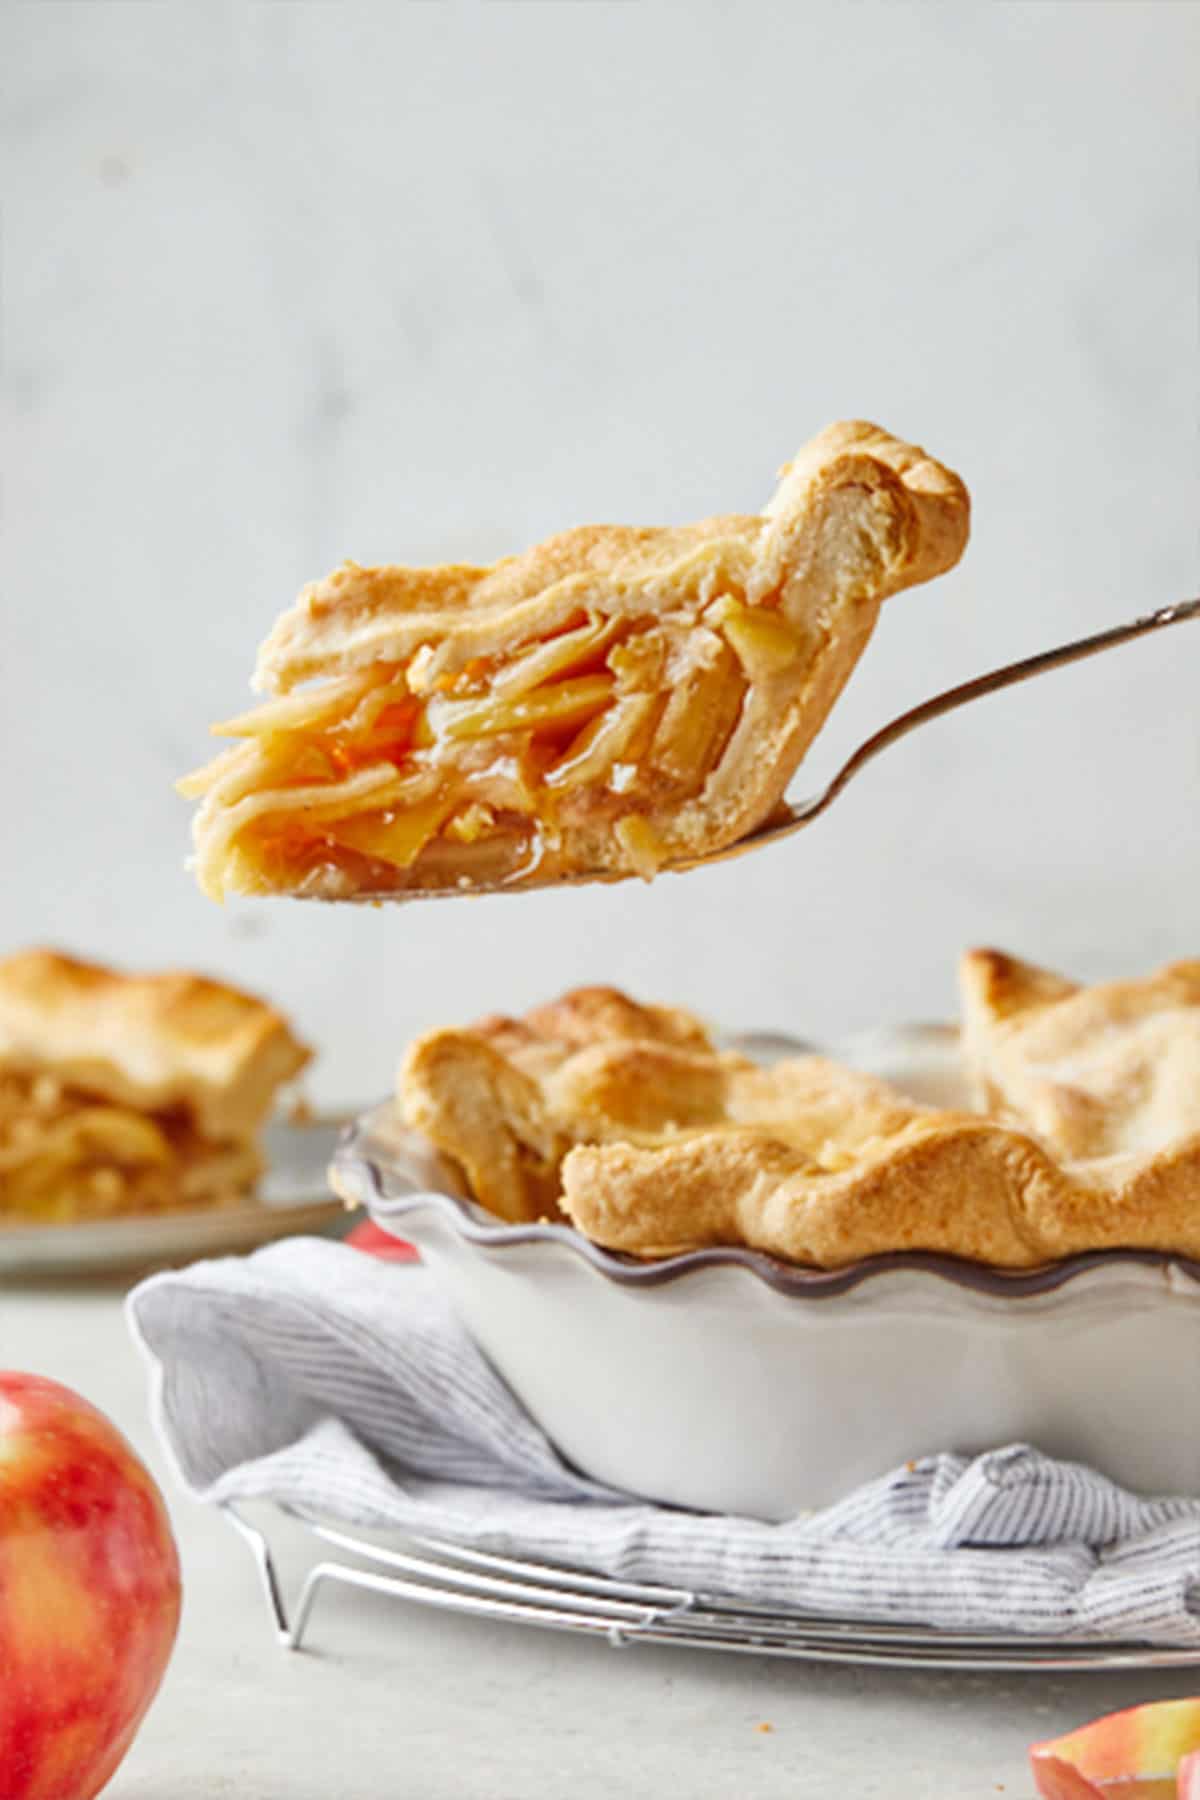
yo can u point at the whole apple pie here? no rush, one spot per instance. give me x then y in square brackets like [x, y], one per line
[627, 1121]
[614, 700]
[130, 1093]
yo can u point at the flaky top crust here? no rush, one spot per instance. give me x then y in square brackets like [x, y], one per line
[1109, 1070]
[506, 1098]
[359, 616]
[651, 1141]
[151, 1042]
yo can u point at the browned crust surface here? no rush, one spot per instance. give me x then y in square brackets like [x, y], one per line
[652, 1142]
[959, 1185]
[1111, 1070]
[506, 1098]
[150, 1042]
[359, 616]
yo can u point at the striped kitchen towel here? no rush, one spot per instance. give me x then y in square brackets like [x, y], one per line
[312, 1376]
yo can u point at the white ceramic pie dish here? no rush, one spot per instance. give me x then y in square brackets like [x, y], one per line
[728, 1381]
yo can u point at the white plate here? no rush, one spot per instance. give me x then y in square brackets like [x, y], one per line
[293, 1197]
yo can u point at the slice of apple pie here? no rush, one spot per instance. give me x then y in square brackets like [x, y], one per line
[612, 701]
[130, 1093]
[629, 1122]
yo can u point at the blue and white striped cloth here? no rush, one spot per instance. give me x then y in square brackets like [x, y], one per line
[311, 1375]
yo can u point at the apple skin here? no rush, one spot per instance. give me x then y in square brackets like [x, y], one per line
[89, 1592]
[1132, 1754]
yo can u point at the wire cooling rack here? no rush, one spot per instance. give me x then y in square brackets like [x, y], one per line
[430, 1571]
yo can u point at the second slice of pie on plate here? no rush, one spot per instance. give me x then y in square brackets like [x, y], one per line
[613, 701]
[131, 1094]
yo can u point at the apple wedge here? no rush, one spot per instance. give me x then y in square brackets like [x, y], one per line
[1137, 1754]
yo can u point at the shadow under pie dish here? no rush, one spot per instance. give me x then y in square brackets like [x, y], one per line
[614, 700]
[727, 1378]
[125, 1095]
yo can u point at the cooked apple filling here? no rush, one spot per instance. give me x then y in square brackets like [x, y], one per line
[611, 701]
[403, 772]
[67, 1153]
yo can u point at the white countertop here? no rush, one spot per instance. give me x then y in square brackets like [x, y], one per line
[393, 1701]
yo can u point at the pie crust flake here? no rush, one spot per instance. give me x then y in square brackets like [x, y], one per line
[613, 700]
[629, 1122]
[130, 1093]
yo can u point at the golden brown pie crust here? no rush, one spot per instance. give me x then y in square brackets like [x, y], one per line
[651, 1141]
[613, 700]
[506, 1098]
[1105, 1071]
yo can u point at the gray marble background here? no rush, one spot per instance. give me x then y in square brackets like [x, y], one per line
[285, 283]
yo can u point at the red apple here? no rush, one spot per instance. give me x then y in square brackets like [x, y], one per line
[89, 1592]
[1130, 1755]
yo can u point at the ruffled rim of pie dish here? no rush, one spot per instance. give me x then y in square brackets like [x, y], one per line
[384, 1174]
